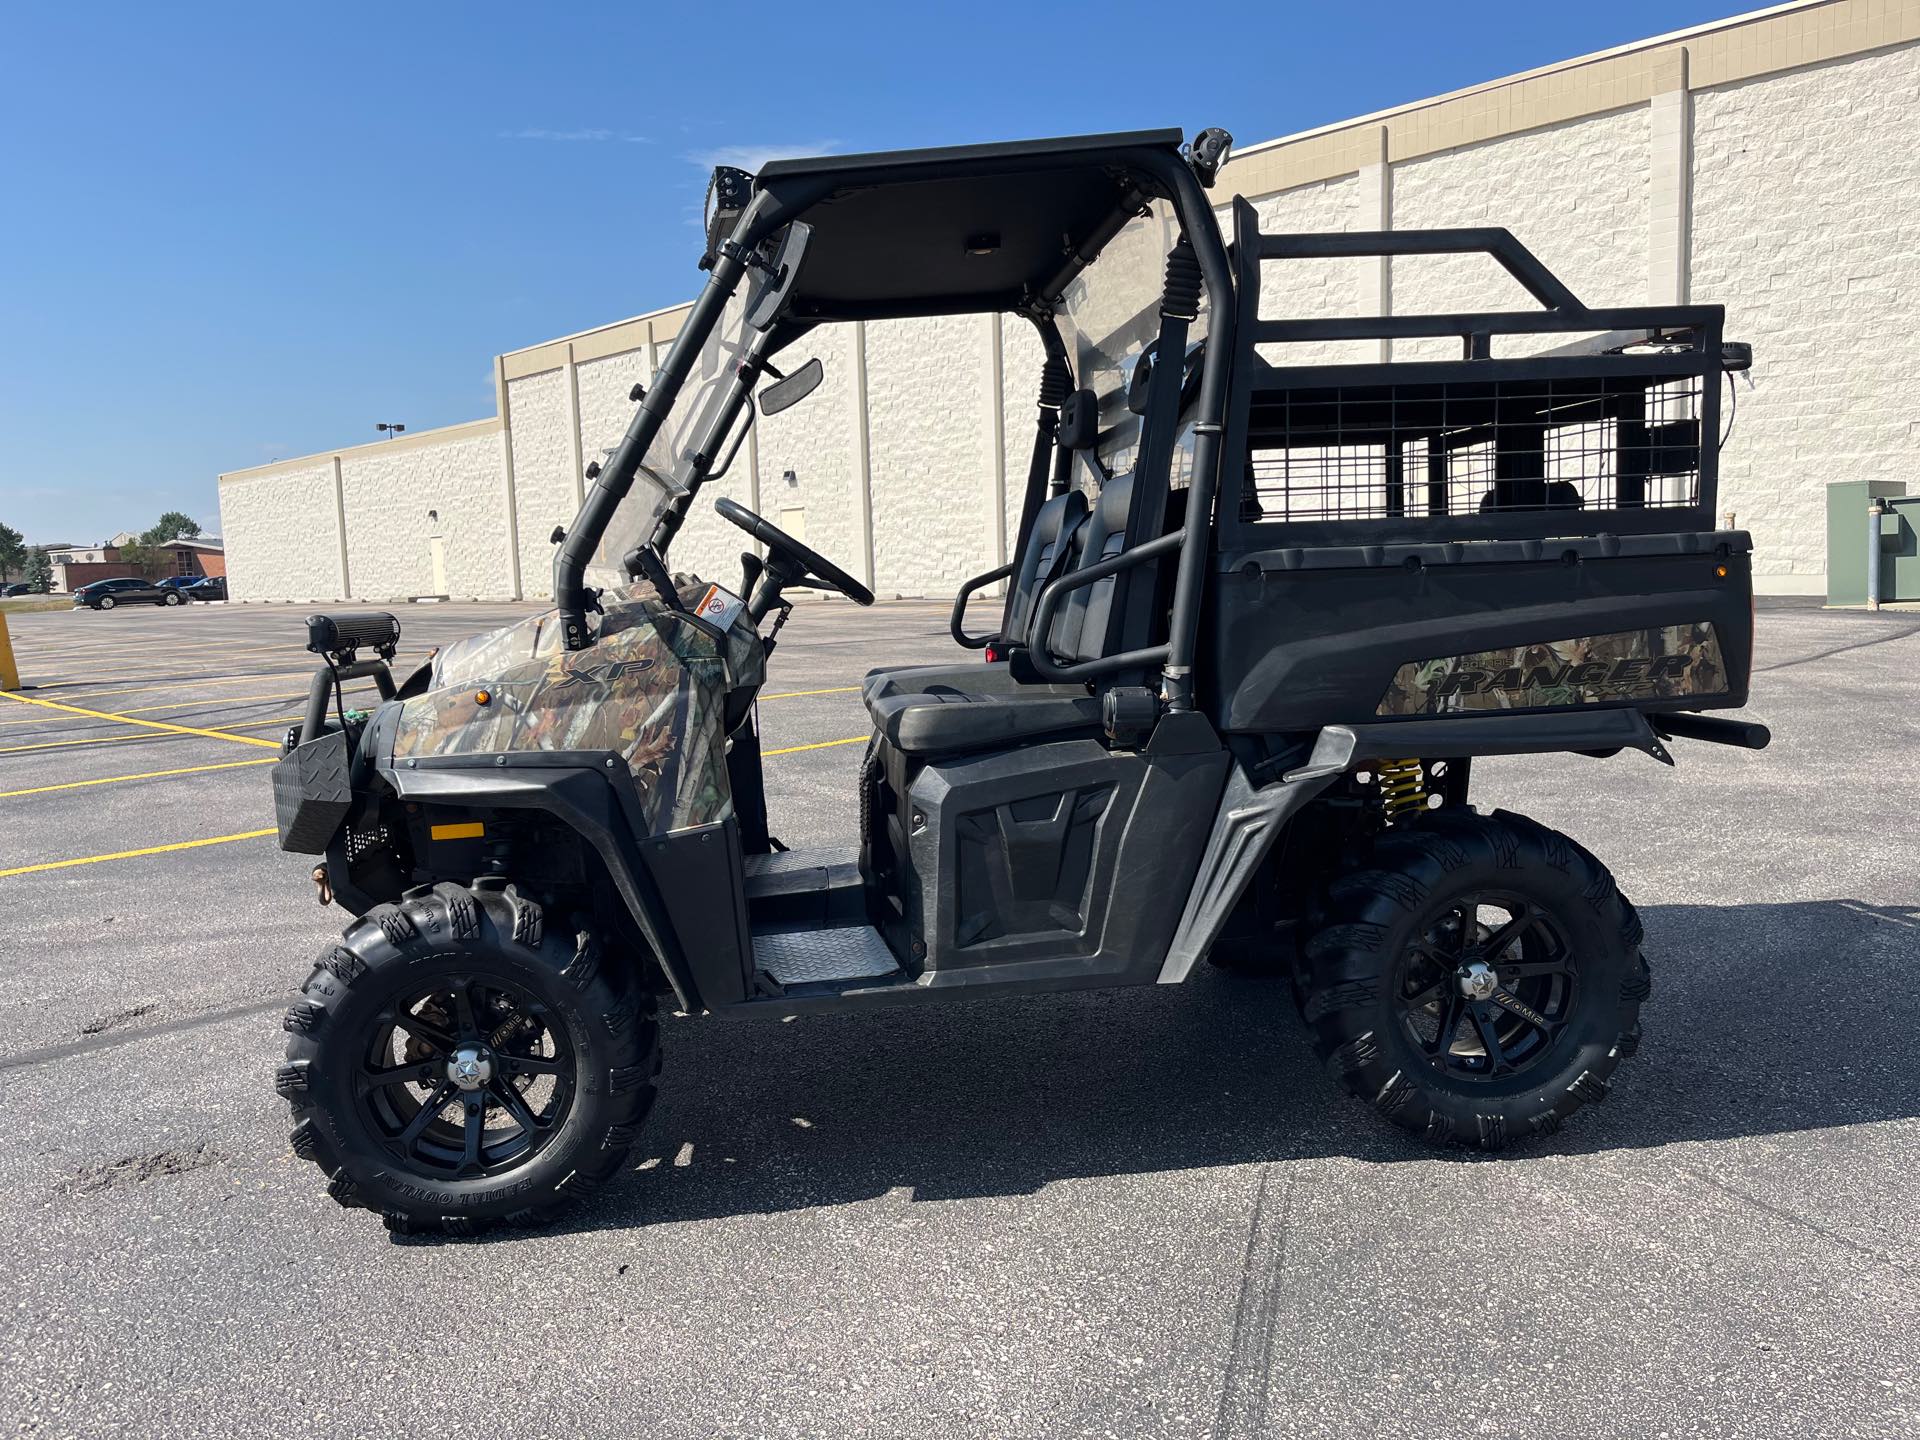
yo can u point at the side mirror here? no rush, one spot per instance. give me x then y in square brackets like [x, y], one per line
[790, 391]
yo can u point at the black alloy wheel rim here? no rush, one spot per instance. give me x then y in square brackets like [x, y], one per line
[469, 1077]
[1486, 987]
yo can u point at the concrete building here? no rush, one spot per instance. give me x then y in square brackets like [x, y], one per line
[1764, 162]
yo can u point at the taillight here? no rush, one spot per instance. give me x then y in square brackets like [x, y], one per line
[993, 654]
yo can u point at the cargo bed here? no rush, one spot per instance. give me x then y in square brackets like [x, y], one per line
[1524, 526]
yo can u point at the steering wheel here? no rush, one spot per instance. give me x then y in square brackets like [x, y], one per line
[814, 568]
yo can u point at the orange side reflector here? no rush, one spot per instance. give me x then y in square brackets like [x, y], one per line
[464, 830]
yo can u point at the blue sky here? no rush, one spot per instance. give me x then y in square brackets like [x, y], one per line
[239, 233]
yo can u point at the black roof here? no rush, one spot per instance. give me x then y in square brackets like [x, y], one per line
[961, 229]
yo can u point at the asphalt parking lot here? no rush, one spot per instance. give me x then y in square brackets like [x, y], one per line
[1130, 1213]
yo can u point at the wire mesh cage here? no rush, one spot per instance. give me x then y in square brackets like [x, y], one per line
[1613, 427]
[1432, 449]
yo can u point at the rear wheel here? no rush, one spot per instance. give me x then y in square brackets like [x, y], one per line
[105, 602]
[455, 1062]
[172, 597]
[1478, 978]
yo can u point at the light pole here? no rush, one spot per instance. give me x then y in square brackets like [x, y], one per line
[392, 432]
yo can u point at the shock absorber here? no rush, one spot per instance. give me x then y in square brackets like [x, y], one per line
[1403, 788]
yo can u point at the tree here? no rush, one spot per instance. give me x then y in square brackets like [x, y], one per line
[171, 526]
[39, 572]
[141, 556]
[145, 553]
[13, 552]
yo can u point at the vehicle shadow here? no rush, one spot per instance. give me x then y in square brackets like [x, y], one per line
[1764, 1019]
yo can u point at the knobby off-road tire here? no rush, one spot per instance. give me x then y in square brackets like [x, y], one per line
[1391, 987]
[377, 1034]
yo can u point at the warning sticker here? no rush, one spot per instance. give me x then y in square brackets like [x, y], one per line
[719, 606]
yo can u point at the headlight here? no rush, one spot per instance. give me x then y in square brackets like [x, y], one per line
[727, 195]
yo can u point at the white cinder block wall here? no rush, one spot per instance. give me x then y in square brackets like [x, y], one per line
[1765, 163]
[398, 502]
[1313, 289]
[1806, 225]
[818, 443]
[930, 407]
[546, 490]
[281, 527]
[1575, 194]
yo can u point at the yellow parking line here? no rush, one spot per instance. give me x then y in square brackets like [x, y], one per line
[237, 678]
[166, 654]
[817, 745]
[143, 775]
[157, 678]
[402, 663]
[146, 724]
[225, 733]
[172, 705]
[133, 854]
[246, 834]
[219, 732]
[84, 740]
[200, 703]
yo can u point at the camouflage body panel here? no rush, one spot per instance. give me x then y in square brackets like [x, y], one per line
[652, 688]
[1671, 662]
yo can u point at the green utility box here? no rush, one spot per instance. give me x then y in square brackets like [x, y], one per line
[1847, 502]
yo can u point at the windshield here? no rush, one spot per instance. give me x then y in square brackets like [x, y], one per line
[666, 471]
[1110, 317]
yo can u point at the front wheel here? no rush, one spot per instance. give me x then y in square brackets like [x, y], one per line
[1477, 979]
[172, 597]
[457, 1061]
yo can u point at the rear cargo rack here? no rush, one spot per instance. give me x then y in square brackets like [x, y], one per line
[1612, 430]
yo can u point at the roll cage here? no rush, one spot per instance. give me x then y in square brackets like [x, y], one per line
[1001, 228]
[1608, 440]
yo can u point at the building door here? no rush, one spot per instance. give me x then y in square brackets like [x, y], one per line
[437, 554]
[794, 522]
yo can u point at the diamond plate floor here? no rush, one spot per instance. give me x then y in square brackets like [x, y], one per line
[811, 957]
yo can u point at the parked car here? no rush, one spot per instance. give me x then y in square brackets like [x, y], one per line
[206, 587]
[19, 587]
[180, 582]
[125, 590]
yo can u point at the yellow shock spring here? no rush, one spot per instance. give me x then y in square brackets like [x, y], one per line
[1403, 787]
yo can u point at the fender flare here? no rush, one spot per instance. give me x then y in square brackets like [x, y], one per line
[579, 787]
[1249, 821]
[1250, 818]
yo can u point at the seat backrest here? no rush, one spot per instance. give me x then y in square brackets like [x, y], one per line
[1058, 519]
[1084, 621]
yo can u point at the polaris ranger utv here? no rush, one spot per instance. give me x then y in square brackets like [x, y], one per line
[1262, 615]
